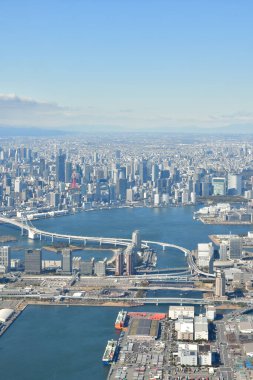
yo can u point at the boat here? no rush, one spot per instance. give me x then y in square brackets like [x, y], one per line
[121, 320]
[110, 352]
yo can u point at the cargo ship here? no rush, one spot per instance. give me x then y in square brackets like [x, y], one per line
[110, 352]
[150, 316]
[121, 320]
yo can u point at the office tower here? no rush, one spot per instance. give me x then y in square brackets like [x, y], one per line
[5, 258]
[60, 168]
[68, 172]
[143, 171]
[219, 186]
[155, 173]
[235, 248]
[33, 261]
[205, 189]
[100, 268]
[223, 251]
[234, 184]
[220, 284]
[121, 188]
[136, 239]
[67, 260]
[119, 268]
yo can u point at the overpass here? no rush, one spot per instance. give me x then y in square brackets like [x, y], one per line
[34, 233]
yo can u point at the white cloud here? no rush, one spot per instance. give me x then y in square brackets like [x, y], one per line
[25, 111]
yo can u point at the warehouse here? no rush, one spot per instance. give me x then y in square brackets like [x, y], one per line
[5, 314]
[143, 329]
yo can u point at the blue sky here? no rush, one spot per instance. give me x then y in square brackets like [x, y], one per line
[133, 64]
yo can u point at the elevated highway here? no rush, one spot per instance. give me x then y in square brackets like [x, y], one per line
[34, 233]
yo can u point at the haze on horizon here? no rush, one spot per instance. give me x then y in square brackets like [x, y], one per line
[128, 65]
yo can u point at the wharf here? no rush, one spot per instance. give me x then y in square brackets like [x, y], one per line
[17, 306]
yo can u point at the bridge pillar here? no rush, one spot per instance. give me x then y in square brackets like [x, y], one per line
[84, 242]
[52, 238]
[100, 242]
[115, 243]
[164, 247]
[69, 240]
[31, 235]
[40, 236]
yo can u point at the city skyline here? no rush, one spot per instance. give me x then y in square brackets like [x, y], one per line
[93, 65]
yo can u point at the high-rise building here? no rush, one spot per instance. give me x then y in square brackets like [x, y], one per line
[204, 254]
[234, 184]
[130, 260]
[100, 268]
[5, 258]
[143, 171]
[54, 199]
[219, 186]
[67, 260]
[119, 268]
[68, 172]
[33, 261]
[60, 168]
[136, 239]
[235, 248]
[86, 267]
[223, 251]
[220, 284]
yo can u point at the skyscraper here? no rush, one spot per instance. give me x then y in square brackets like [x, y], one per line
[33, 261]
[220, 284]
[219, 186]
[60, 168]
[5, 257]
[136, 239]
[235, 248]
[130, 260]
[68, 171]
[67, 260]
[119, 268]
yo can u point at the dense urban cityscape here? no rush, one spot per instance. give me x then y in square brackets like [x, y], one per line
[126, 190]
[71, 177]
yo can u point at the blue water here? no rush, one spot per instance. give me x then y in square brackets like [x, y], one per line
[65, 343]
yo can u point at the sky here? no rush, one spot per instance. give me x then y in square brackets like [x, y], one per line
[126, 64]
